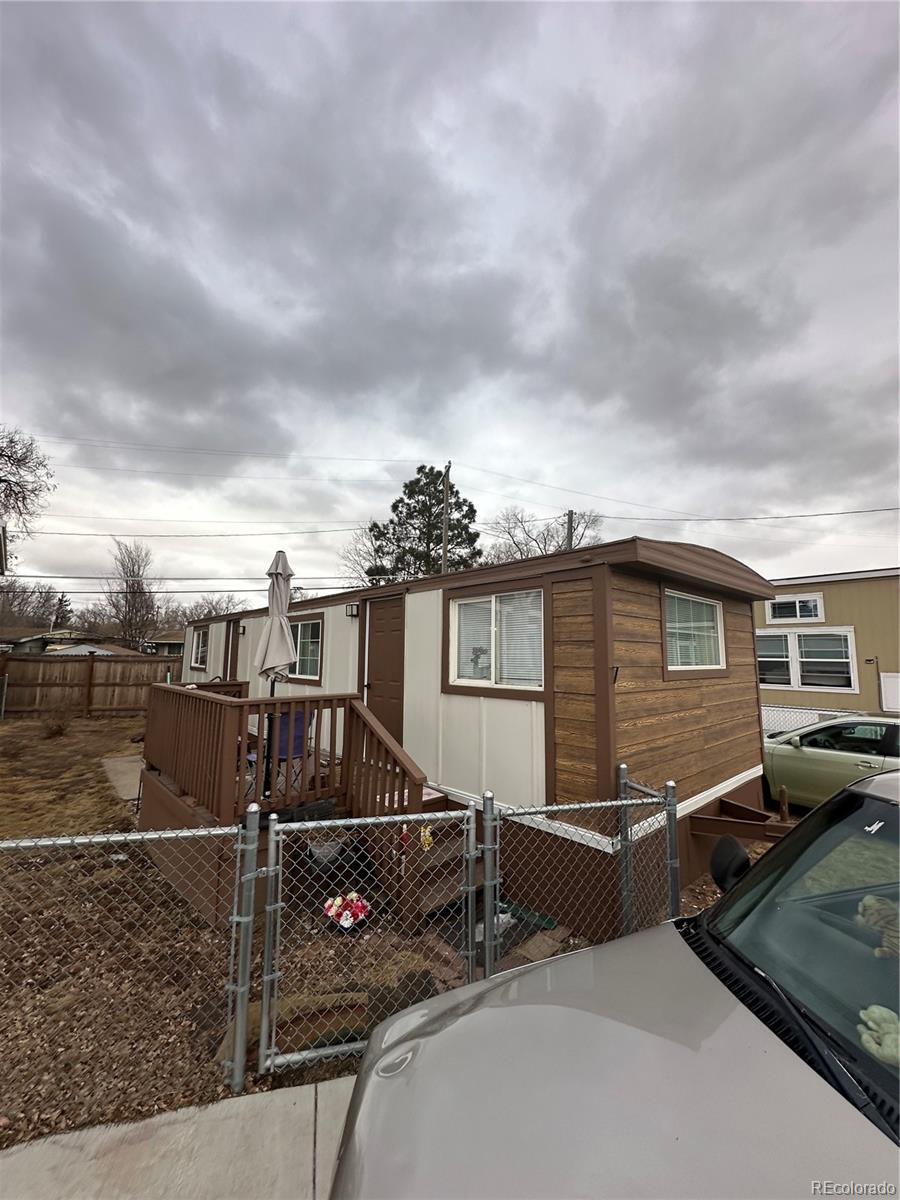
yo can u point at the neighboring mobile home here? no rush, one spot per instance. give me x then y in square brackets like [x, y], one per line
[536, 677]
[830, 643]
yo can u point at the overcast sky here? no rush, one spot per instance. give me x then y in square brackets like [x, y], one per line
[647, 252]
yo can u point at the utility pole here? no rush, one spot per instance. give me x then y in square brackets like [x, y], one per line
[570, 528]
[445, 540]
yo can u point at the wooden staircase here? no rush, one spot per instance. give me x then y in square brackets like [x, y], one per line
[740, 821]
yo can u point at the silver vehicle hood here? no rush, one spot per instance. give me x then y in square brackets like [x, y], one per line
[624, 1070]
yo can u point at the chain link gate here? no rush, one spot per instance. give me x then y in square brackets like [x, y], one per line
[362, 918]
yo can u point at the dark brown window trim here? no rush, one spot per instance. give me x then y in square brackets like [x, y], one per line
[669, 673]
[492, 692]
[302, 619]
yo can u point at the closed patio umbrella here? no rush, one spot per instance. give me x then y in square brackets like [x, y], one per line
[275, 654]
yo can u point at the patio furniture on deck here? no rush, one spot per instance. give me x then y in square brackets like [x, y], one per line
[285, 751]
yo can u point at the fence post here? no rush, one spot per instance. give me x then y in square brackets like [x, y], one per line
[272, 914]
[88, 684]
[625, 880]
[247, 850]
[490, 881]
[672, 860]
[471, 891]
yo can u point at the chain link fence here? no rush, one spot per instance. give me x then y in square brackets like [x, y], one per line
[576, 875]
[363, 919]
[114, 959]
[146, 971]
[779, 718]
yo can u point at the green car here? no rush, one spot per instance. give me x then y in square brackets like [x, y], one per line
[818, 760]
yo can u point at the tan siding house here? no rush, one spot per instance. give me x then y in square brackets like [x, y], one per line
[831, 642]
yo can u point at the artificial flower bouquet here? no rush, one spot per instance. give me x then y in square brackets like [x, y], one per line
[347, 911]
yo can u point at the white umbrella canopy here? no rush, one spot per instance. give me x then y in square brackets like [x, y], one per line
[275, 653]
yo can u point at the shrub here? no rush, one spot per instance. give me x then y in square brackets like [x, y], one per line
[55, 723]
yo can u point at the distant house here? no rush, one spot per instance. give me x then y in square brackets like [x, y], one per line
[104, 649]
[830, 643]
[37, 641]
[169, 642]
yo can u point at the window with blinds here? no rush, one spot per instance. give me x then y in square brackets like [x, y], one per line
[307, 637]
[694, 633]
[499, 640]
[820, 661]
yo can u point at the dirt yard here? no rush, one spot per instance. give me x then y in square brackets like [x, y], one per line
[57, 785]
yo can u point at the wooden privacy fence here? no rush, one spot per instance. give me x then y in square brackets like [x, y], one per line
[86, 685]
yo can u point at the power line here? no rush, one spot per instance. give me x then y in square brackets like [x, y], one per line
[210, 450]
[66, 466]
[201, 520]
[171, 578]
[256, 533]
[106, 443]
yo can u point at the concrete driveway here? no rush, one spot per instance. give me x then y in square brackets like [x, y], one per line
[278, 1145]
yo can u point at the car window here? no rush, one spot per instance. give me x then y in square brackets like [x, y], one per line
[860, 861]
[863, 737]
[891, 745]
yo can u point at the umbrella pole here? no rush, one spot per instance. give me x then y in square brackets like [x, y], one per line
[267, 760]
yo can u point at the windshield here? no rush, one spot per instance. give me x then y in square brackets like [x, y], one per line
[818, 914]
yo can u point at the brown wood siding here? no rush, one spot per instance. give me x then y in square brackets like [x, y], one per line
[573, 774]
[696, 731]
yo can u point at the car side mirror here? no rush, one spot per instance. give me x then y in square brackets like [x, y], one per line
[728, 862]
[795, 742]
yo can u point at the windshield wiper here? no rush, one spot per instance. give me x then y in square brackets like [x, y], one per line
[828, 1062]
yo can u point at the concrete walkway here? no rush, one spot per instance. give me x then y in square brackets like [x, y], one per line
[125, 775]
[279, 1145]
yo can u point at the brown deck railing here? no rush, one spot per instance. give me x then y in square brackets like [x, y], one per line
[211, 748]
[382, 778]
[237, 688]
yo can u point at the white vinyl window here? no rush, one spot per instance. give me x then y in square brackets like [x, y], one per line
[200, 648]
[824, 661]
[790, 609]
[498, 641]
[695, 634]
[773, 659]
[307, 637]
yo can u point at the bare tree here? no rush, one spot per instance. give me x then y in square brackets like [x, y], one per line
[131, 592]
[209, 605]
[519, 534]
[95, 619]
[25, 477]
[361, 556]
[30, 605]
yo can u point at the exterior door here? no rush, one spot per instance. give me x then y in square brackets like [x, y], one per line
[384, 664]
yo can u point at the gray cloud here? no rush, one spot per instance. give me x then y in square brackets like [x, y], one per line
[549, 235]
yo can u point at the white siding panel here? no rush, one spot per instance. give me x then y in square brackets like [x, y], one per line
[214, 656]
[470, 743]
[422, 681]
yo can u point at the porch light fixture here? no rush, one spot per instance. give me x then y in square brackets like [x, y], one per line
[352, 610]
[242, 629]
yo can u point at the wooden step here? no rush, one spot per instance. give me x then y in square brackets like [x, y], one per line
[434, 894]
